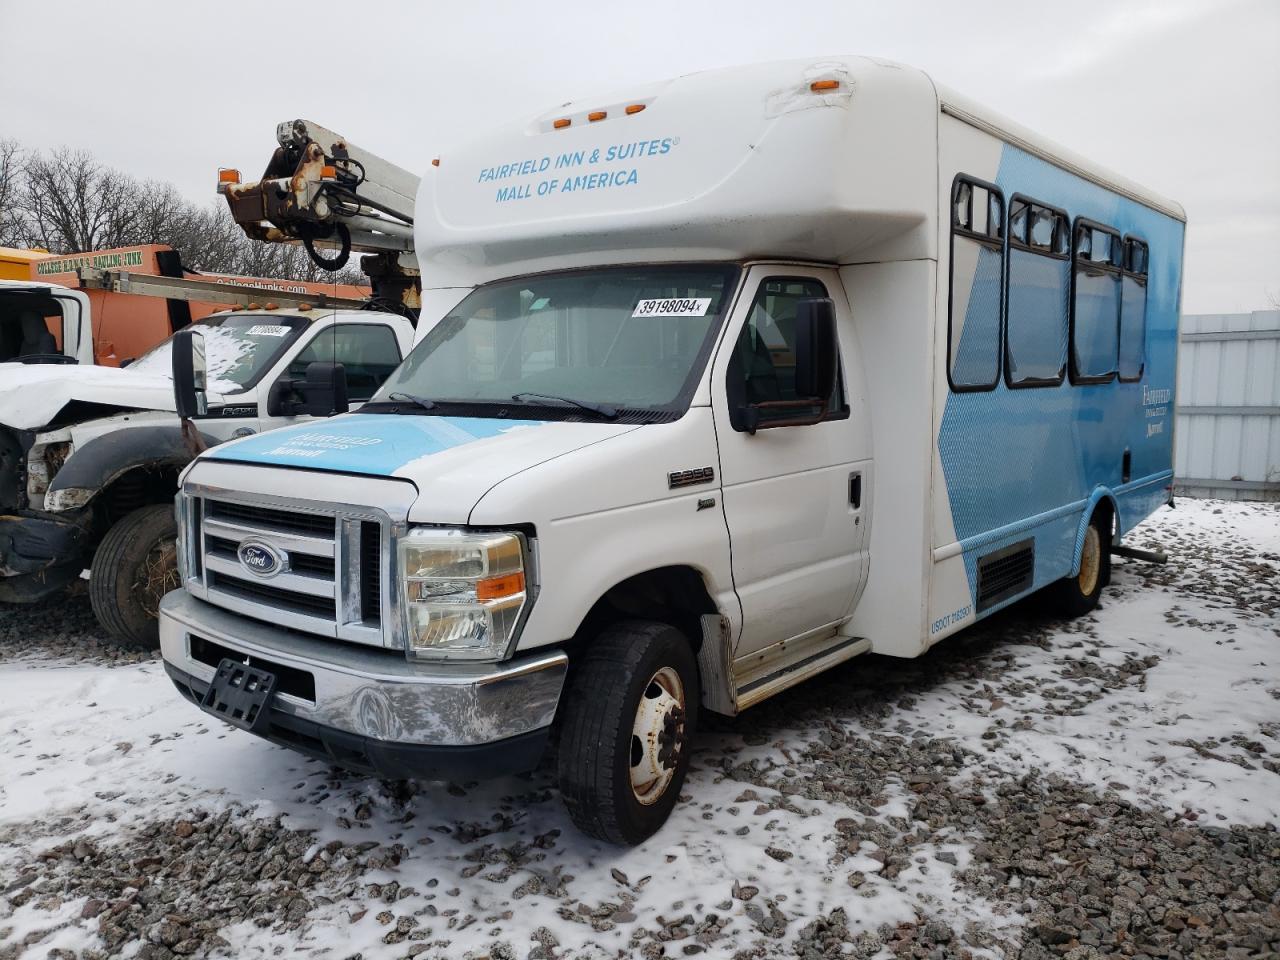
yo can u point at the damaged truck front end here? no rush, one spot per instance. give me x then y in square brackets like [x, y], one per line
[40, 551]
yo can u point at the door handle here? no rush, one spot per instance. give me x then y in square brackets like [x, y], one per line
[855, 489]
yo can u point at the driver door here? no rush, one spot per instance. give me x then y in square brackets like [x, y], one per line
[793, 495]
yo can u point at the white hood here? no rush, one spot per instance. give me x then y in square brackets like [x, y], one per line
[31, 395]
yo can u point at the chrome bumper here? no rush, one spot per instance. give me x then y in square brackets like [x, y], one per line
[368, 692]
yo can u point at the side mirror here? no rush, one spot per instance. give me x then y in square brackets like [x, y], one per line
[324, 392]
[190, 376]
[816, 350]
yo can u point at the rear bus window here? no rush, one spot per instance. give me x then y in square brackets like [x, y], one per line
[1039, 277]
[977, 285]
[1095, 303]
[1133, 309]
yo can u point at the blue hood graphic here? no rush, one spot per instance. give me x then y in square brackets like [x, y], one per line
[373, 444]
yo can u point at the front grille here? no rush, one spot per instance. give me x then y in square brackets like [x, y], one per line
[370, 571]
[269, 519]
[327, 577]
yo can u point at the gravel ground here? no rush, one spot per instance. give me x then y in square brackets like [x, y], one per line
[1030, 788]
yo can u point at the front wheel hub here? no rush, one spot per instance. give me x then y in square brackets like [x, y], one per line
[657, 735]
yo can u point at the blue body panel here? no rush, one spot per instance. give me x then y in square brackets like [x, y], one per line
[1032, 462]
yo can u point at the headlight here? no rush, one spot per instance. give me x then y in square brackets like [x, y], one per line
[463, 592]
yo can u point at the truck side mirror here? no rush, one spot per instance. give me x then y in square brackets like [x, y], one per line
[324, 392]
[190, 376]
[816, 350]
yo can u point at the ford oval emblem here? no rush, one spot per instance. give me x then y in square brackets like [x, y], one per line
[260, 559]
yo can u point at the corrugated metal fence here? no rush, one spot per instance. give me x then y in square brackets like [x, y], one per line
[1228, 427]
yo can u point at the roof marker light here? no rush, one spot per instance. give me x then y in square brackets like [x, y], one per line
[819, 85]
[635, 108]
[328, 172]
[273, 306]
[435, 162]
[597, 115]
[561, 123]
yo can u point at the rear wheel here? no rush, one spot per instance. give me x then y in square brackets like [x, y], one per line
[135, 565]
[1077, 595]
[626, 730]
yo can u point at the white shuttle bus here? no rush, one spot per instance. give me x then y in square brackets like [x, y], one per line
[730, 378]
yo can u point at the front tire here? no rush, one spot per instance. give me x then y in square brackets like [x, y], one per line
[1075, 596]
[626, 730]
[135, 565]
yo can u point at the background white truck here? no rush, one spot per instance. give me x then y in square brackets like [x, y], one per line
[89, 457]
[735, 377]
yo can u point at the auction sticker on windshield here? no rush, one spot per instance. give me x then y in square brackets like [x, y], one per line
[267, 330]
[675, 307]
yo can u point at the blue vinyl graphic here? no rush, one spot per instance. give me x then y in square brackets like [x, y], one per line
[374, 444]
[1028, 462]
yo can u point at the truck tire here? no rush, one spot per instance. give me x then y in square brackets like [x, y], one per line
[135, 565]
[1078, 595]
[626, 730]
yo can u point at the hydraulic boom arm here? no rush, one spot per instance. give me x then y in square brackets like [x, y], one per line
[328, 194]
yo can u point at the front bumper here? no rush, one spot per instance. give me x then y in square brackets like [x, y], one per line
[370, 709]
[30, 543]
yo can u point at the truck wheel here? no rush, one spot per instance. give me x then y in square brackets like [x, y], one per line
[1076, 596]
[135, 565]
[626, 730]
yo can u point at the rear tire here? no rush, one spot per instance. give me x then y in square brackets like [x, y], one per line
[135, 565]
[1074, 596]
[626, 730]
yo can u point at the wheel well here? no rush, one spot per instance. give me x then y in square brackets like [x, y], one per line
[674, 595]
[1105, 511]
[137, 487]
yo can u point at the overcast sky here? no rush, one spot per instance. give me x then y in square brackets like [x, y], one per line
[1182, 96]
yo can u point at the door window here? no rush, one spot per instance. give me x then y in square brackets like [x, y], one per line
[763, 366]
[367, 351]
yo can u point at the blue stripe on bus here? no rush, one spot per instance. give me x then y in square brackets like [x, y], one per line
[1009, 455]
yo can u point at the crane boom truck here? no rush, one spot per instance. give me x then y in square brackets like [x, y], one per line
[324, 192]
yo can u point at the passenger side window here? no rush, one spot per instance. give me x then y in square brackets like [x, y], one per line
[1039, 275]
[977, 285]
[763, 366]
[367, 351]
[1133, 309]
[1095, 303]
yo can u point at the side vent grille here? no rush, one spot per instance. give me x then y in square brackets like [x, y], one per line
[1006, 573]
[371, 572]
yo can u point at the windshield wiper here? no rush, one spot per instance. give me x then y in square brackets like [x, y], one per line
[599, 409]
[423, 402]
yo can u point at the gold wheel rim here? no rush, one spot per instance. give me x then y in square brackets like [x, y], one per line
[1090, 561]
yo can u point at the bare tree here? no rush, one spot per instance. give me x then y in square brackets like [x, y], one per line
[12, 227]
[68, 202]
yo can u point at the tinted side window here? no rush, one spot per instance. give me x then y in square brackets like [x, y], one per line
[1133, 309]
[977, 285]
[1039, 278]
[368, 352]
[763, 366]
[1095, 306]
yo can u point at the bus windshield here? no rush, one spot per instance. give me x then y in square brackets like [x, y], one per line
[239, 349]
[631, 338]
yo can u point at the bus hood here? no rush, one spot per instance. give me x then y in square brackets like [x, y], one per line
[453, 461]
[32, 396]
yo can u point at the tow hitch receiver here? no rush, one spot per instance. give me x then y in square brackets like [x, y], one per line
[240, 695]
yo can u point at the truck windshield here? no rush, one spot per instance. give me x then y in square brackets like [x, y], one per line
[622, 338]
[239, 349]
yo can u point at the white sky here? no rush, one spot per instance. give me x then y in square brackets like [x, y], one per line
[1180, 95]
